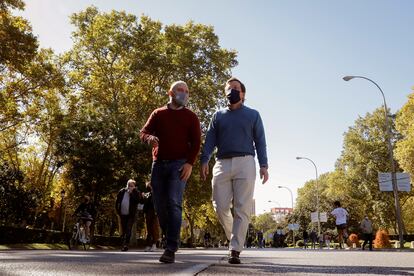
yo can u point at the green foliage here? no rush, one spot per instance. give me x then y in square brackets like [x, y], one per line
[354, 182]
[79, 115]
[118, 70]
[16, 200]
[264, 223]
[18, 45]
[404, 151]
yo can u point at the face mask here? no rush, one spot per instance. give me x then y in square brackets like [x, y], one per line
[233, 96]
[180, 98]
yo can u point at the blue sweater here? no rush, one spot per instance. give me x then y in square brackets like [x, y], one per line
[235, 133]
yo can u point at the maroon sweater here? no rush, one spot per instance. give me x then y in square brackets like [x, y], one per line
[178, 132]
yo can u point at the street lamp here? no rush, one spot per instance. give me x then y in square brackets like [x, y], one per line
[291, 198]
[317, 191]
[62, 197]
[291, 194]
[391, 156]
[271, 201]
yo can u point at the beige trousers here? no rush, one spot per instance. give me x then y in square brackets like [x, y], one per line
[233, 182]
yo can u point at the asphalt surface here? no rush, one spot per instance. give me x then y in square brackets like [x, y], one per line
[207, 262]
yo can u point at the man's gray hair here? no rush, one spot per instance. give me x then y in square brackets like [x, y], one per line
[177, 83]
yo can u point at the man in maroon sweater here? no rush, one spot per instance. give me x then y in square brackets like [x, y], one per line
[175, 135]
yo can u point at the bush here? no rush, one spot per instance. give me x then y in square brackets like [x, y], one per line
[353, 238]
[382, 239]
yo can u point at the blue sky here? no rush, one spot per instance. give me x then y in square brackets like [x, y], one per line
[292, 57]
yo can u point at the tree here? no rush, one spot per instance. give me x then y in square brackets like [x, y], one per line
[18, 45]
[404, 153]
[365, 154]
[264, 223]
[354, 182]
[118, 70]
[31, 87]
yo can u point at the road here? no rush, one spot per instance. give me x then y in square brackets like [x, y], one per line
[207, 262]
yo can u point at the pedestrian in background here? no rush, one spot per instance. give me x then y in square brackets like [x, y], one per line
[341, 218]
[126, 207]
[328, 240]
[366, 228]
[151, 220]
[313, 238]
[305, 239]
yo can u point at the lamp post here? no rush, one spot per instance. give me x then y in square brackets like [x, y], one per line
[271, 201]
[317, 191]
[62, 198]
[291, 198]
[391, 156]
[291, 194]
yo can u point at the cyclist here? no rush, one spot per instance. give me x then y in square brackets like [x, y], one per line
[86, 212]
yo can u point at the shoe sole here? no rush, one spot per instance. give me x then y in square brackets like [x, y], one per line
[166, 261]
[234, 261]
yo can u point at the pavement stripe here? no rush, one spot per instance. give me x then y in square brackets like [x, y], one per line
[193, 270]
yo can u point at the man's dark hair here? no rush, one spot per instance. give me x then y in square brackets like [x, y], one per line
[243, 88]
[337, 204]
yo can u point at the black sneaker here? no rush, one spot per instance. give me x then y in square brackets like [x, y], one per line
[234, 257]
[124, 248]
[167, 257]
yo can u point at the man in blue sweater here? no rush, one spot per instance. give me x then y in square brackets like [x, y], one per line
[237, 132]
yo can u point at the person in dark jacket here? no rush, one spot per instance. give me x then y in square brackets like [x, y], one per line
[305, 239]
[126, 207]
[151, 220]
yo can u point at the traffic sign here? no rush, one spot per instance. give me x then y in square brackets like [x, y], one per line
[403, 182]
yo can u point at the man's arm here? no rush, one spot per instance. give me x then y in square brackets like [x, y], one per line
[195, 140]
[260, 144]
[147, 132]
[260, 141]
[210, 141]
[209, 144]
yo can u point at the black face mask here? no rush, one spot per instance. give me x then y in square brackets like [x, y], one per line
[233, 96]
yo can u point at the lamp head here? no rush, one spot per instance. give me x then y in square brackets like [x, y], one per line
[298, 158]
[279, 187]
[348, 78]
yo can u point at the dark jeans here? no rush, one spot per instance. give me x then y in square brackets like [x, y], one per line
[126, 227]
[167, 190]
[367, 239]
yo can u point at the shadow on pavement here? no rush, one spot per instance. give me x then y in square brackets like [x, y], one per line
[271, 268]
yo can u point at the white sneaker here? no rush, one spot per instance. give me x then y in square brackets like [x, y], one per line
[148, 248]
[153, 248]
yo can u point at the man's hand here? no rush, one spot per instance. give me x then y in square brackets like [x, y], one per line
[204, 171]
[186, 170]
[153, 140]
[264, 175]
